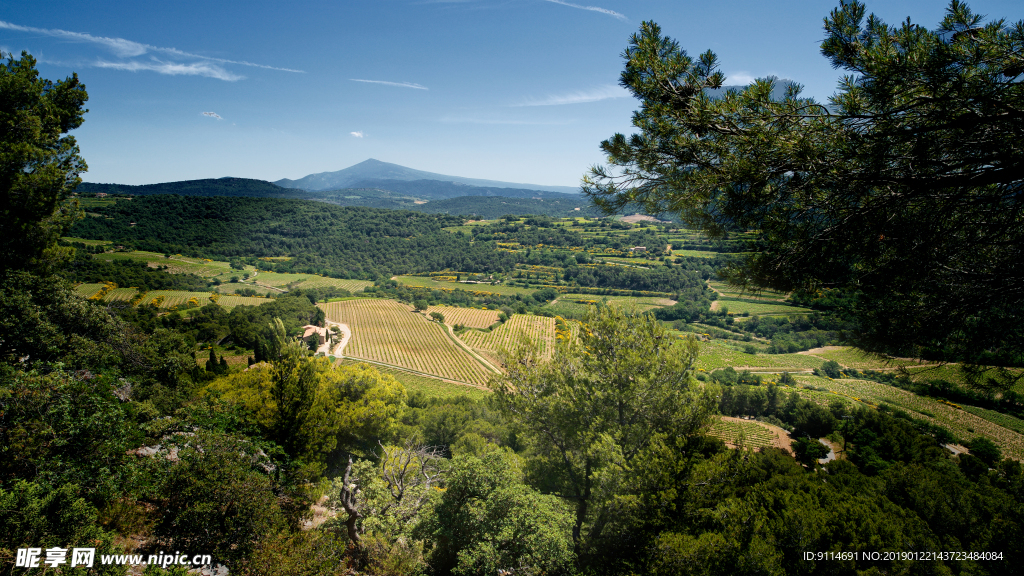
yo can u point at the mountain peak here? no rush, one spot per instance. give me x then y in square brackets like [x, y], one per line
[373, 169]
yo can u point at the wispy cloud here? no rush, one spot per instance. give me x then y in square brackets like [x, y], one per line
[207, 69]
[358, 134]
[611, 13]
[212, 115]
[596, 94]
[127, 49]
[399, 84]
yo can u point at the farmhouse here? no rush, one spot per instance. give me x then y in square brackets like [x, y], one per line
[309, 332]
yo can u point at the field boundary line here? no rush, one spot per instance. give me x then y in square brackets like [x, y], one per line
[458, 341]
[411, 371]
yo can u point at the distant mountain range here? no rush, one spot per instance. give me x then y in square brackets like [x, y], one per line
[378, 184]
[374, 170]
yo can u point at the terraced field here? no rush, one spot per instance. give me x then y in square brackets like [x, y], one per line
[469, 317]
[389, 332]
[539, 329]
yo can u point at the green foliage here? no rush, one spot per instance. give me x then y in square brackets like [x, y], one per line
[901, 194]
[39, 167]
[488, 522]
[58, 429]
[599, 403]
[45, 517]
[217, 495]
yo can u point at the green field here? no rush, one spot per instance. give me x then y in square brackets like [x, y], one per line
[758, 307]
[718, 354]
[86, 241]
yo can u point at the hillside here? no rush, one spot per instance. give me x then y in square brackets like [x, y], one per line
[205, 187]
[376, 170]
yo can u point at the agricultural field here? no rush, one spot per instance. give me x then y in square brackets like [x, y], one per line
[431, 387]
[87, 290]
[172, 298]
[120, 295]
[468, 317]
[725, 290]
[758, 307]
[539, 329]
[964, 422]
[695, 253]
[749, 433]
[426, 282]
[230, 287]
[717, 354]
[392, 333]
[178, 264]
[290, 281]
[577, 304]
[86, 241]
[850, 357]
[230, 301]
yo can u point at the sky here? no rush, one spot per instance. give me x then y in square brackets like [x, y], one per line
[512, 90]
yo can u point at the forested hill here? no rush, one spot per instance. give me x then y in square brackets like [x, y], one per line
[205, 187]
[345, 242]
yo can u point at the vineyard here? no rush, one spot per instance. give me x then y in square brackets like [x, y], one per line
[431, 387]
[179, 298]
[120, 295]
[87, 290]
[468, 317]
[539, 329]
[290, 281]
[391, 333]
[230, 301]
[964, 423]
[717, 354]
[749, 433]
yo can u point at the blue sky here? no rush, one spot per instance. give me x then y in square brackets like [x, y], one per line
[514, 90]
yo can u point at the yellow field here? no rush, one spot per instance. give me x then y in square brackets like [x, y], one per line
[540, 329]
[469, 317]
[390, 332]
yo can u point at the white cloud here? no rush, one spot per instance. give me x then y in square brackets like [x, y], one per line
[611, 13]
[596, 94]
[358, 134]
[739, 78]
[172, 68]
[123, 48]
[399, 84]
[212, 115]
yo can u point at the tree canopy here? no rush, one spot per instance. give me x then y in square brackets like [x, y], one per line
[39, 166]
[903, 193]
